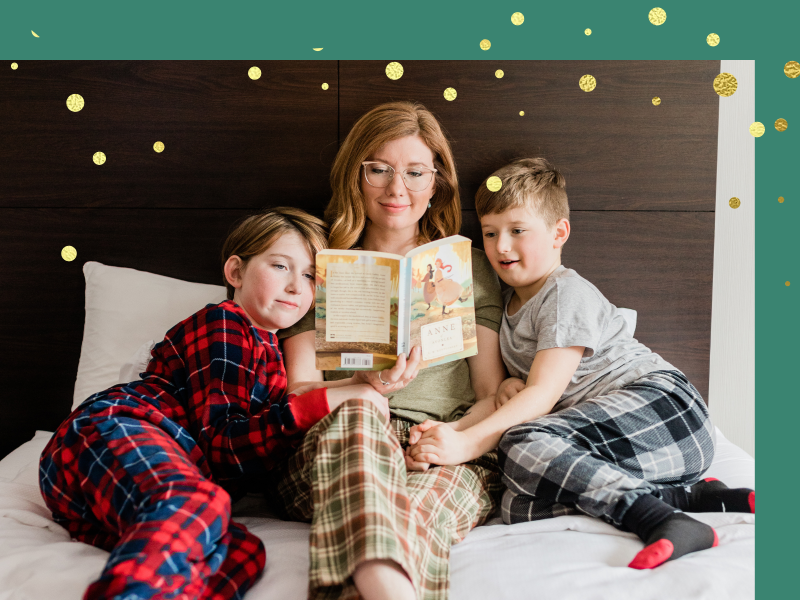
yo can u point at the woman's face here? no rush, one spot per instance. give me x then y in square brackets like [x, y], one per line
[396, 207]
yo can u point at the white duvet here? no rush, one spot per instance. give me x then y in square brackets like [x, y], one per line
[566, 558]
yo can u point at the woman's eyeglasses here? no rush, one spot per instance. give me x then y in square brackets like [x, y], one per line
[380, 175]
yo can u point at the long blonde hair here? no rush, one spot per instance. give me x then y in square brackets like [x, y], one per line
[258, 232]
[346, 212]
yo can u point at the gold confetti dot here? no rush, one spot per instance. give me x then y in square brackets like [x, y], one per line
[588, 32]
[657, 16]
[494, 183]
[254, 73]
[499, 73]
[712, 39]
[34, 33]
[14, 66]
[757, 129]
[734, 202]
[780, 199]
[587, 83]
[75, 102]
[725, 84]
[788, 284]
[781, 124]
[485, 44]
[517, 18]
[450, 94]
[158, 146]
[394, 70]
[656, 101]
[68, 253]
[522, 113]
[325, 86]
[792, 69]
[99, 158]
[316, 49]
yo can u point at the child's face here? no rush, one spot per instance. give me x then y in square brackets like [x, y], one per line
[277, 286]
[521, 248]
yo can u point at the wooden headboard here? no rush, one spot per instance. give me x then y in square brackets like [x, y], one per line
[641, 180]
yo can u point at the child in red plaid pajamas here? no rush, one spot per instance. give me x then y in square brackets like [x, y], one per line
[146, 469]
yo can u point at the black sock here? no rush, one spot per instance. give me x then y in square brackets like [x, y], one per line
[709, 495]
[667, 534]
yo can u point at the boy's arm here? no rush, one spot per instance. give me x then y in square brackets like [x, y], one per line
[549, 376]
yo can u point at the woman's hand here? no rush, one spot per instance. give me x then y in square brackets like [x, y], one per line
[443, 445]
[339, 395]
[399, 376]
[508, 389]
[414, 434]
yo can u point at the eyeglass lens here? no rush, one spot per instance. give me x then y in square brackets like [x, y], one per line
[380, 175]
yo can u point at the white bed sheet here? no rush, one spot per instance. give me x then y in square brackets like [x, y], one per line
[573, 557]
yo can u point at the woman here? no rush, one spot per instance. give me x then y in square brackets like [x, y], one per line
[380, 528]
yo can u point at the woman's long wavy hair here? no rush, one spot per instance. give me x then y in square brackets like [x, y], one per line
[346, 212]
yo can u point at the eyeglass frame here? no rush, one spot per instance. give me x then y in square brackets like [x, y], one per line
[394, 171]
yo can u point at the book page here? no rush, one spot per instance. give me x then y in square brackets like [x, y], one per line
[358, 303]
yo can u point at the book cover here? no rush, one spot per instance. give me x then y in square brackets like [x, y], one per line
[373, 306]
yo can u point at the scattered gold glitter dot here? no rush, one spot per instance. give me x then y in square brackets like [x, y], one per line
[254, 73]
[68, 253]
[158, 146]
[656, 101]
[522, 113]
[792, 69]
[325, 86]
[394, 70]
[587, 83]
[788, 284]
[494, 183]
[517, 18]
[499, 73]
[657, 16]
[34, 33]
[734, 202]
[781, 125]
[316, 49]
[780, 199]
[450, 94]
[757, 129]
[485, 44]
[725, 84]
[14, 66]
[75, 102]
[712, 39]
[588, 32]
[99, 158]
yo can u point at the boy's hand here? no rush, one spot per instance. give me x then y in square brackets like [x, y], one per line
[508, 389]
[442, 445]
[417, 430]
[399, 376]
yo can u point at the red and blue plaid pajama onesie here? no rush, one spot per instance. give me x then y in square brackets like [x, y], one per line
[145, 469]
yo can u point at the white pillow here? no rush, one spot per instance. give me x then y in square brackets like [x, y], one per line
[124, 309]
[136, 364]
[630, 319]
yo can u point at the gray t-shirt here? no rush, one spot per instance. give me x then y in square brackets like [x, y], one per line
[444, 392]
[570, 311]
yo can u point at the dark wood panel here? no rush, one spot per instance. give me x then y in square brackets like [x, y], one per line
[617, 150]
[43, 296]
[657, 263]
[230, 141]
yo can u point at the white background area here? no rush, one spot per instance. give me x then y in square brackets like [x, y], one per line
[731, 393]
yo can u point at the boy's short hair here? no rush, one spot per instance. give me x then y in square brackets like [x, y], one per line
[258, 232]
[527, 182]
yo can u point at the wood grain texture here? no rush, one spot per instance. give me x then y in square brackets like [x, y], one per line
[230, 141]
[617, 150]
[657, 263]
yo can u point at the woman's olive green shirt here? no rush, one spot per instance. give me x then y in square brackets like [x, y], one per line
[444, 392]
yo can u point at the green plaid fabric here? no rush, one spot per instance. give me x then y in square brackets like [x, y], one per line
[348, 478]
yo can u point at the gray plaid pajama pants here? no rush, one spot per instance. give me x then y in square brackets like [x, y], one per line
[598, 456]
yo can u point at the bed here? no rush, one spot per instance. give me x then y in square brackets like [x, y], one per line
[567, 557]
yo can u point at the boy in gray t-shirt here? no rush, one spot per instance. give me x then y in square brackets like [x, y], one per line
[591, 420]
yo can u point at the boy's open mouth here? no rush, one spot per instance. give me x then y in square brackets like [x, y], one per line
[508, 263]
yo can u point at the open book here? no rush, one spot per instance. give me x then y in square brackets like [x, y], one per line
[373, 306]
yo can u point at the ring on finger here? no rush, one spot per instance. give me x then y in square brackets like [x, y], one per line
[381, 379]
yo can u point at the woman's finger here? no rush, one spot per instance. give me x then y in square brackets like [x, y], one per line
[412, 465]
